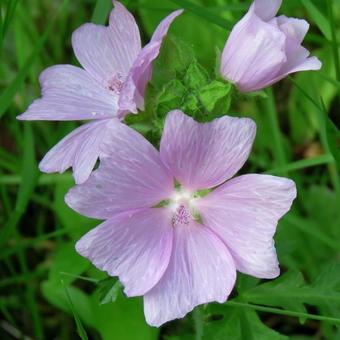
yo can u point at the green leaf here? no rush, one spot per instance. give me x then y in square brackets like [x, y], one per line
[173, 61]
[291, 293]
[320, 20]
[196, 76]
[55, 294]
[123, 320]
[80, 329]
[238, 323]
[77, 224]
[215, 92]
[171, 97]
[68, 261]
[108, 290]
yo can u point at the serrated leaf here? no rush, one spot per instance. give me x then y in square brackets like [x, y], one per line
[279, 292]
[214, 92]
[290, 291]
[196, 76]
[238, 323]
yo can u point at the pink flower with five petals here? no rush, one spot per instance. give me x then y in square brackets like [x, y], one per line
[111, 84]
[169, 243]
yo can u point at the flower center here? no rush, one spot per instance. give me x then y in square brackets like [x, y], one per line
[181, 204]
[115, 84]
[181, 217]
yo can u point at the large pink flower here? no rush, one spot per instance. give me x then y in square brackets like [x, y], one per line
[262, 48]
[112, 82]
[165, 241]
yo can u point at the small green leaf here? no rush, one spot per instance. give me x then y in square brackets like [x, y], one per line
[108, 290]
[190, 104]
[196, 76]
[216, 92]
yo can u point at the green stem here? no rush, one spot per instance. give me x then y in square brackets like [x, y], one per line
[334, 40]
[284, 312]
[278, 147]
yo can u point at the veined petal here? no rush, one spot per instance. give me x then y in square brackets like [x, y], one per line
[244, 213]
[132, 95]
[80, 149]
[266, 9]
[294, 28]
[254, 53]
[108, 52]
[201, 270]
[202, 156]
[69, 93]
[135, 245]
[131, 175]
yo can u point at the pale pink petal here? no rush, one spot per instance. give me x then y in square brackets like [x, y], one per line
[254, 53]
[294, 28]
[130, 176]
[202, 156]
[132, 95]
[201, 270]
[108, 52]
[244, 213]
[266, 9]
[136, 246]
[69, 93]
[79, 149]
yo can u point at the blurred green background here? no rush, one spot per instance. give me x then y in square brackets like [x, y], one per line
[47, 291]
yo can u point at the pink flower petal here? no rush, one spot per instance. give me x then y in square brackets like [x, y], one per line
[253, 54]
[79, 149]
[244, 213]
[266, 9]
[108, 52]
[294, 28]
[69, 93]
[201, 270]
[202, 156]
[130, 176]
[132, 96]
[136, 246]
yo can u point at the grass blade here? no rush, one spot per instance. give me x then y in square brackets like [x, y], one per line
[101, 11]
[8, 95]
[29, 178]
[302, 164]
[284, 312]
[334, 39]
[204, 13]
[80, 328]
[319, 19]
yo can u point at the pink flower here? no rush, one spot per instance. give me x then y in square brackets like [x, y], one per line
[112, 82]
[167, 243]
[262, 49]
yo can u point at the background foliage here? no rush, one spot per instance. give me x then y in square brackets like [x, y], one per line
[48, 291]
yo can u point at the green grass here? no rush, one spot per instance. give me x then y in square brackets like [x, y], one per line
[48, 291]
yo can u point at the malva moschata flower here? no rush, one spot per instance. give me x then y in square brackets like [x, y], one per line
[111, 84]
[262, 49]
[165, 240]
